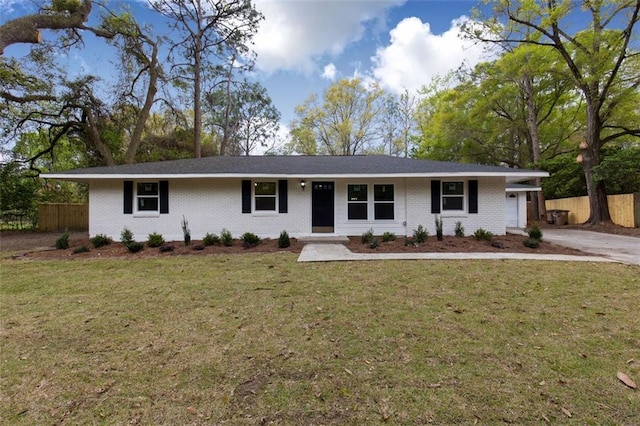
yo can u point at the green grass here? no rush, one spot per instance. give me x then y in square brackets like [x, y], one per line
[259, 338]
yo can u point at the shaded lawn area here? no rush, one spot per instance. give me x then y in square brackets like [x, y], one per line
[261, 339]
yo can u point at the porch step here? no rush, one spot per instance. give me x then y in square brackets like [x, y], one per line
[324, 239]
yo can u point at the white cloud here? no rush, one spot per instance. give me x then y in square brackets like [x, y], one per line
[415, 55]
[295, 33]
[329, 72]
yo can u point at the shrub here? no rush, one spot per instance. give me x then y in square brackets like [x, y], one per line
[166, 249]
[373, 244]
[135, 247]
[481, 234]
[226, 238]
[420, 235]
[249, 240]
[283, 240]
[126, 236]
[439, 233]
[81, 249]
[155, 240]
[198, 247]
[535, 233]
[63, 241]
[100, 240]
[367, 237]
[211, 240]
[459, 229]
[531, 242]
[388, 236]
[186, 233]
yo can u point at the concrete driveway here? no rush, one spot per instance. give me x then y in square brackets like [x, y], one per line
[617, 247]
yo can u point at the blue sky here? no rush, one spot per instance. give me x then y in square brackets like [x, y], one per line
[305, 45]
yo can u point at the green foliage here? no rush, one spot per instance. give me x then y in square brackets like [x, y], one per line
[420, 235]
[186, 233]
[226, 238]
[619, 169]
[211, 240]
[70, 6]
[155, 240]
[100, 240]
[459, 230]
[126, 237]
[373, 244]
[535, 233]
[81, 249]
[283, 240]
[531, 242]
[19, 190]
[483, 235]
[388, 236]
[439, 234]
[63, 241]
[249, 240]
[566, 177]
[367, 237]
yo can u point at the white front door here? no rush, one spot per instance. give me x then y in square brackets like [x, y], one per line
[512, 210]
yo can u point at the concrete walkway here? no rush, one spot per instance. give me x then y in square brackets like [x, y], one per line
[605, 247]
[338, 252]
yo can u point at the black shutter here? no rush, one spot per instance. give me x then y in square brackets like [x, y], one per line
[246, 196]
[164, 196]
[128, 197]
[435, 196]
[282, 196]
[473, 196]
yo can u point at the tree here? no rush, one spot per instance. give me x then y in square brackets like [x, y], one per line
[218, 28]
[344, 124]
[600, 60]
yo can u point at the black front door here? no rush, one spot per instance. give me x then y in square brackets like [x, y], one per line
[322, 207]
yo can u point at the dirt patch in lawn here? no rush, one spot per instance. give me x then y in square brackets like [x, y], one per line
[41, 245]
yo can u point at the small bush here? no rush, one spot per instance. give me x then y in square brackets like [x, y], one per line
[155, 240]
[388, 236]
[166, 249]
[535, 233]
[481, 234]
[249, 240]
[420, 235]
[409, 242]
[126, 237]
[81, 249]
[373, 244]
[283, 240]
[367, 237]
[186, 232]
[459, 230]
[135, 247]
[198, 247]
[100, 240]
[439, 234]
[531, 242]
[226, 238]
[62, 243]
[211, 240]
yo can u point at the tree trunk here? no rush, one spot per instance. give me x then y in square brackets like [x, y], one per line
[532, 124]
[590, 151]
[197, 107]
[91, 129]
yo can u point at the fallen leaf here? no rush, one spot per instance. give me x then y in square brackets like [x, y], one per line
[546, 419]
[434, 385]
[349, 372]
[566, 412]
[630, 361]
[627, 380]
[191, 410]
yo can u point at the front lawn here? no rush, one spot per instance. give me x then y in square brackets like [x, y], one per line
[261, 339]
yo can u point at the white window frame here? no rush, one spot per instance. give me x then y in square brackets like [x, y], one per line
[140, 197]
[392, 202]
[365, 202]
[274, 196]
[462, 196]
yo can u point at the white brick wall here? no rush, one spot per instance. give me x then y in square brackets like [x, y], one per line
[210, 205]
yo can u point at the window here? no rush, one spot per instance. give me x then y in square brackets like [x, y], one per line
[357, 202]
[147, 196]
[383, 202]
[453, 196]
[265, 196]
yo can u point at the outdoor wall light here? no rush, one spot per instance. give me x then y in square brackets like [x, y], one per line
[302, 184]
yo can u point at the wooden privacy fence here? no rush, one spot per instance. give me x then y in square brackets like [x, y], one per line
[58, 217]
[624, 209]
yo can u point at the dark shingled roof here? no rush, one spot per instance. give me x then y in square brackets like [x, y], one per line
[294, 165]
